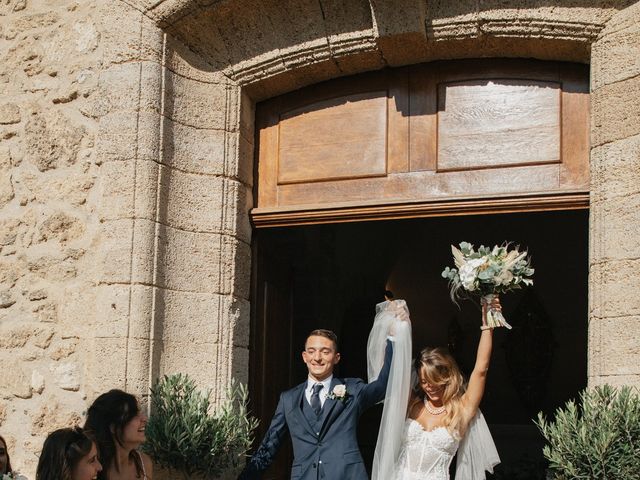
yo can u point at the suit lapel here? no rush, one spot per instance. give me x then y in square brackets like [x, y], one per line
[333, 407]
[296, 410]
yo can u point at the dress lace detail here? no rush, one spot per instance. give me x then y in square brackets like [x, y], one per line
[425, 455]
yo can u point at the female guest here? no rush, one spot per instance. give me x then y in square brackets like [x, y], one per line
[118, 424]
[5, 462]
[68, 454]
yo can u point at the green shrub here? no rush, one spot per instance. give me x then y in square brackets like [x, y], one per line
[184, 434]
[598, 440]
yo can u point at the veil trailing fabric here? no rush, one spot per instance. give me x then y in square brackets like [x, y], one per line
[476, 452]
[396, 400]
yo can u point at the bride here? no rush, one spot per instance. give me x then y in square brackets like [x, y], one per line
[425, 421]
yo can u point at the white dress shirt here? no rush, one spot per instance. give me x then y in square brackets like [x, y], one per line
[324, 391]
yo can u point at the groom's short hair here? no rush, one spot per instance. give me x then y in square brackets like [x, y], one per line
[321, 332]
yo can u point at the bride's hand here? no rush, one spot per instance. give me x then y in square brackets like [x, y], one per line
[494, 305]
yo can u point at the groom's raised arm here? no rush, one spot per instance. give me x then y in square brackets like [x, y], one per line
[374, 392]
[262, 459]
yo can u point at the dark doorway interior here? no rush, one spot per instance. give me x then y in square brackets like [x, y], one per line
[331, 276]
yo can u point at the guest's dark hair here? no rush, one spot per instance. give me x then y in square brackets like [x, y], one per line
[321, 332]
[8, 469]
[61, 452]
[106, 418]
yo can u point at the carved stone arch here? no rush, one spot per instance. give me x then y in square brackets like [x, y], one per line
[182, 78]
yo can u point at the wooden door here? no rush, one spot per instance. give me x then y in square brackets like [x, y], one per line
[444, 138]
[271, 345]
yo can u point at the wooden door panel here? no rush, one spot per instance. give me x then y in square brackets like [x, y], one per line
[424, 186]
[425, 134]
[271, 343]
[495, 123]
[343, 137]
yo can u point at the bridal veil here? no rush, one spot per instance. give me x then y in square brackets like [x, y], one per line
[476, 452]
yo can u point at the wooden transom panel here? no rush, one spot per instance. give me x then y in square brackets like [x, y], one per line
[433, 139]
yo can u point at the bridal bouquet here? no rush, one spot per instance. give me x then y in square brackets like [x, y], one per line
[488, 272]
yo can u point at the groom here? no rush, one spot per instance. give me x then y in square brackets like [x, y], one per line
[321, 415]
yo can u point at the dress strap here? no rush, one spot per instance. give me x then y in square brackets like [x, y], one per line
[144, 472]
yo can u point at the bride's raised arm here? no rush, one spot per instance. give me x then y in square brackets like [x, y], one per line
[478, 378]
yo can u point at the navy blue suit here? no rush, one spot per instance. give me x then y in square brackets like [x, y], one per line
[324, 447]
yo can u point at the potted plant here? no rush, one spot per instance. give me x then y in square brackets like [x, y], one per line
[186, 434]
[599, 439]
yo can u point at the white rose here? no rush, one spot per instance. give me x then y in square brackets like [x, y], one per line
[340, 391]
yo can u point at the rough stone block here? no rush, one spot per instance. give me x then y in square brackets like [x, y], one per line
[614, 380]
[240, 313]
[238, 254]
[201, 203]
[615, 111]
[66, 375]
[615, 169]
[138, 365]
[127, 252]
[60, 227]
[67, 186]
[242, 159]
[112, 311]
[194, 150]
[106, 366]
[124, 135]
[54, 140]
[16, 379]
[167, 12]
[240, 364]
[132, 37]
[183, 61]
[197, 104]
[616, 55]
[52, 415]
[128, 188]
[131, 86]
[207, 363]
[613, 282]
[191, 261]
[142, 311]
[618, 352]
[194, 317]
[9, 114]
[247, 116]
[617, 222]
[6, 178]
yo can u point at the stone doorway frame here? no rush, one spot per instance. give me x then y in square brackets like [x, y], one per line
[180, 80]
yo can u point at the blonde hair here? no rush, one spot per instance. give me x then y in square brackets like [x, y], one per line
[438, 367]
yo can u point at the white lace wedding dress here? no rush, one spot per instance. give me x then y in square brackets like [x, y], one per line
[425, 454]
[404, 450]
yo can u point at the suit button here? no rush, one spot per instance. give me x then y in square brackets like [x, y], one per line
[320, 462]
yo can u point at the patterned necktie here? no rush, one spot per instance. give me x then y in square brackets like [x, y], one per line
[315, 398]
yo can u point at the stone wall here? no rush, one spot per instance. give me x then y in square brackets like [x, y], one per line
[614, 348]
[48, 224]
[126, 159]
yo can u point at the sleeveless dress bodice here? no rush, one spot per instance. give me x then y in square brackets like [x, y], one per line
[425, 455]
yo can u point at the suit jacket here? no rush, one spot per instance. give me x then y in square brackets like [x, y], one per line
[330, 451]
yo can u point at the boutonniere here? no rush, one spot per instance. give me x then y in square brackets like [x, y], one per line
[339, 392]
